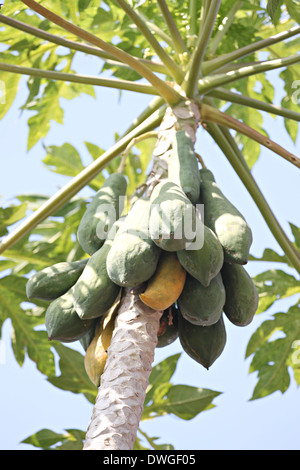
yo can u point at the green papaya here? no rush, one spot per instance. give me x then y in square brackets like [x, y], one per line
[54, 281]
[104, 209]
[62, 322]
[172, 224]
[87, 338]
[204, 344]
[133, 257]
[223, 218]
[168, 328]
[202, 305]
[183, 166]
[241, 295]
[204, 263]
[94, 292]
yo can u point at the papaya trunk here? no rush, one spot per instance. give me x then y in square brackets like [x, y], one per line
[119, 404]
[120, 400]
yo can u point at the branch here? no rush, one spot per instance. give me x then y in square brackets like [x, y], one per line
[211, 114]
[223, 94]
[166, 91]
[224, 27]
[214, 64]
[192, 76]
[213, 81]
[74, 45]
[179, 43]
[77, 78]
[62, 196]
[172, 67]
[232, 153]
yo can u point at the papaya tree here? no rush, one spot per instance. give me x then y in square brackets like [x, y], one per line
[204, 65]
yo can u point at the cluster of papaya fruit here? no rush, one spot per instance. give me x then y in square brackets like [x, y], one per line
[190, 269]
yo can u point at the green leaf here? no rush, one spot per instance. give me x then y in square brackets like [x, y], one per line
[64, 160]
[48, 109]
[273, 355]
[10, 215]
[293, 9]
[73, 376]
[273, 285]
[25, 338]
[273, 8]
[161, 373]
[183, 401]
[46, 439]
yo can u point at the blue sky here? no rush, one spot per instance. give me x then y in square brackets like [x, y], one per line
[28, 403]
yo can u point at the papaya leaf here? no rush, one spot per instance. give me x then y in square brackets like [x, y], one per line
[10, 215]
[46, 439]
[64, 160]
[273, 8]
[73, 376]
[161, 373]
[25, 337]
[183, 401]
[275, 346]
[273, 285]
[151, 441]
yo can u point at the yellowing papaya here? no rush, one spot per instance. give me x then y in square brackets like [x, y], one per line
[54, 281]
[202, 305]
[223, 218]
[168, 328]
[104, 209]
[172, 221]
[96, 353]
[204, 344]
[183, 166]
[241, 295]
[133, 256]
[204, 263]
[94, 292]
[166, 285]
[62, 322]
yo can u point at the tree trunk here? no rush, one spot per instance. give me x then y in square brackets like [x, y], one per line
[119, 403]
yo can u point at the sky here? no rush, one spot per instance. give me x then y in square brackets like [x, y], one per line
[28, 403]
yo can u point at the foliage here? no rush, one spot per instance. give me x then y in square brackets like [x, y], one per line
[54, 239]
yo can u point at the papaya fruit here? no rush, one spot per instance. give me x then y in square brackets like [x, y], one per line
[202, 305]
[168, 327]
[94, 292]
[241, 295]
[223, 218]
[183, 166]
[133, 256]
[165, 286]
[54, 281]
[172, 221]
[204, 344]
[104, 209]
[96, 353]
[204, 263]
[62, 322]
[86, 339]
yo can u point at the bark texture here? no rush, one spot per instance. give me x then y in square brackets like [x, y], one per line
[119, 404]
